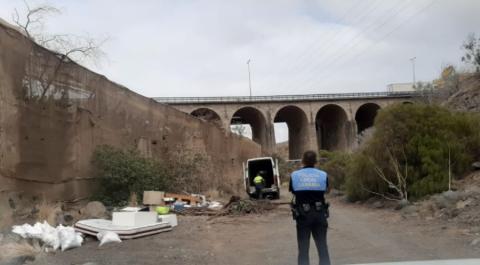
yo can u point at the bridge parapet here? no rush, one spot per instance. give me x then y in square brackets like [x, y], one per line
[285, 98]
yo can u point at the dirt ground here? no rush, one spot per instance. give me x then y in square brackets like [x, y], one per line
[356, 235]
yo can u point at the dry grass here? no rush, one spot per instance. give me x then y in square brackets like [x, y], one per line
[6, 219]
[48, 212]
[23, 249]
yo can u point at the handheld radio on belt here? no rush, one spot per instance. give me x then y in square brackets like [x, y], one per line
[302, 209]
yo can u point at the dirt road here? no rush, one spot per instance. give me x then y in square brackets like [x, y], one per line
[356, 235]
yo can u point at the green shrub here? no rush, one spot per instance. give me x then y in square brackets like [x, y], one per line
[420, 137]
[335, 164]
[122, 172]
[361, 175]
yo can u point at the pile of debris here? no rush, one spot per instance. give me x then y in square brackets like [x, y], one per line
[235, 207]
[57, 232]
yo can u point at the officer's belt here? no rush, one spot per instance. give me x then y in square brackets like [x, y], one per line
[305, 207]
[314, 203]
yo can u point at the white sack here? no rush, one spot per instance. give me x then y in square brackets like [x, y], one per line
[20, 230]
[50, 236]
[68, 238]
[64, 237]
[28, 231]
[108, 237]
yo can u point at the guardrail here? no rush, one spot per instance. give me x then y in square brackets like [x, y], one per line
[282, 98]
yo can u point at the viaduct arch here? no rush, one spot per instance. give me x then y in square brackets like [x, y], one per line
[256, 120]
[365, 116]
[297, 124]
[207, 115]
[319, 121]
[331, 128]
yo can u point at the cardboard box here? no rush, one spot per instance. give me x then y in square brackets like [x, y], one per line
[134, 218]
[192, 200]
[153, 197]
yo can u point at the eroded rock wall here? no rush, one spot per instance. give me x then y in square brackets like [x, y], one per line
[47, 136]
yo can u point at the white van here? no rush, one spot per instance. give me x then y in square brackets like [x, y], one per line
[272, 177]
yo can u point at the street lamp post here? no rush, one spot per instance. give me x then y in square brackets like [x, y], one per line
[413, 69]
[249, 78]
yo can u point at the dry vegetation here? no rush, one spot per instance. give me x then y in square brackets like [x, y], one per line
[21, 250]
[48, 212]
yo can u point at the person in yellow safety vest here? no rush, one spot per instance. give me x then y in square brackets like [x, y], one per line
[259, 182]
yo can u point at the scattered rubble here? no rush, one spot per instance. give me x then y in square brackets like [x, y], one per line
[235, 207]
[93, 220]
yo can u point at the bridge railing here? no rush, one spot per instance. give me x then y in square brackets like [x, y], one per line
[308, 97]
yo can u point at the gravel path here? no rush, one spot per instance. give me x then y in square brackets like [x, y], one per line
[357, 235]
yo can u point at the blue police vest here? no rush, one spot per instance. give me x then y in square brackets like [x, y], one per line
[309, 179]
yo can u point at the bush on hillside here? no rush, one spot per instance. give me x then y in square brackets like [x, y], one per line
[361, 176]
[335, 164]
[123, 172]
[420, 137]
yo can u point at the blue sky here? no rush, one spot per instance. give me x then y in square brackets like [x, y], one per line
[200, 48]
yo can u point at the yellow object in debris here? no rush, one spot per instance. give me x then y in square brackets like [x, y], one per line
[162, 210]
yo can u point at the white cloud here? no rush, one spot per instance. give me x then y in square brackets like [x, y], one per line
[199, 48]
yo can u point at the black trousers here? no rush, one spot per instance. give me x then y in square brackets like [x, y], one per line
[312, 223]
[259, 190]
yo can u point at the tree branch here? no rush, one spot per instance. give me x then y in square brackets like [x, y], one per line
[381, 195]
[66, 47]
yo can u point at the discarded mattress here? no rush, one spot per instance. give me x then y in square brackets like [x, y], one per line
[94, 226]
[168, 218]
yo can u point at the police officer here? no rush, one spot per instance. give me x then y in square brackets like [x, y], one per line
[309, 208]
[259, 182]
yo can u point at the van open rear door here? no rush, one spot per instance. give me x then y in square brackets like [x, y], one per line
[246, 181]
[277, 173]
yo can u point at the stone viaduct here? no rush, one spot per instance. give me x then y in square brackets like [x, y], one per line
[317, 121]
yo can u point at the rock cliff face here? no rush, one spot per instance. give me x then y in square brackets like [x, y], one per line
[47, 137]
[467, 98]
[281, 149]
